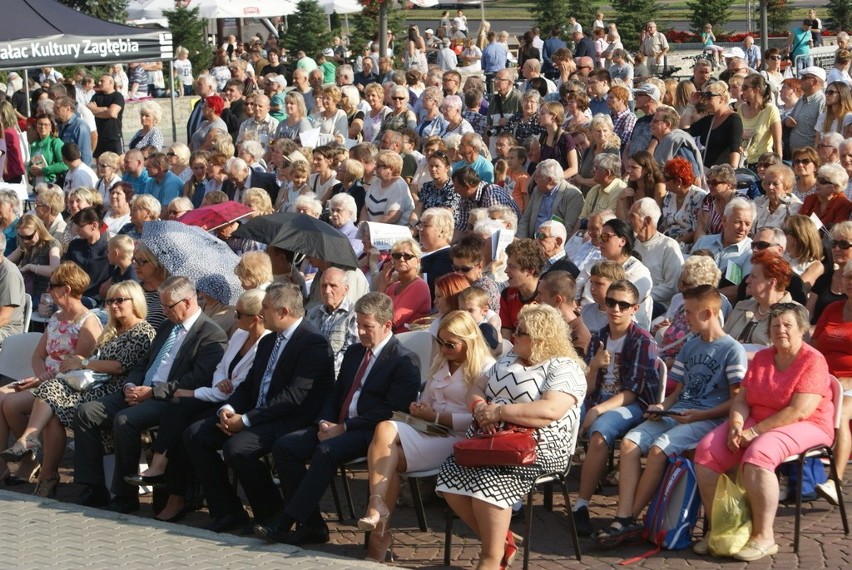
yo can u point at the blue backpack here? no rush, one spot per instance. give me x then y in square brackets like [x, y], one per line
[674, 510]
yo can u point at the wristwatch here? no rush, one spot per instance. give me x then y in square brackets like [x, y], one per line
[84, 363]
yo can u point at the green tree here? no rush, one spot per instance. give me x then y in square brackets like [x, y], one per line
[550, 13]
[716, 12]
[190, 31]
[584, 11]
[840, 13]
[364, 28]
[112, 10]
[778, 16]
[307, 29]
[631, 17]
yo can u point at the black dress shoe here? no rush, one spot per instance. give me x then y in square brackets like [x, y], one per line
[229, 522]
[94, 496]
[307, 534]
[123, 504]
[181, 513]
[146, 480]
[273, 532]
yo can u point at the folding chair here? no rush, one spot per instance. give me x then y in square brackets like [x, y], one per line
[822, 451]
[16, 356]
[417, 497]
[28, 311]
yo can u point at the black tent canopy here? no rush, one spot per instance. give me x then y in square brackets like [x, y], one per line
[43, 33]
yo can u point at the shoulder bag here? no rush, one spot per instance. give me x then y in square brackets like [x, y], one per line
[512, 445]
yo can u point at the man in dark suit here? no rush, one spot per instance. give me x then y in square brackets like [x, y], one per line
[283, 392]
[377, 376]
[184, 355]
[205, 85]
[241, 178]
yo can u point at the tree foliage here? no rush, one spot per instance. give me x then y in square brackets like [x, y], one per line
[715, 12]
[778, 15]
[584, 11]
[307, 30]
[190, 31]
[112, 10]
[631, 17]
[550, 13]
[364, 28]
[840, 14]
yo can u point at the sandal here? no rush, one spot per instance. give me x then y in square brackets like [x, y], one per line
[753, 551]
[621, 529]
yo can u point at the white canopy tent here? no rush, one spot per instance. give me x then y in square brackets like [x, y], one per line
[213, 9]
[344, 7]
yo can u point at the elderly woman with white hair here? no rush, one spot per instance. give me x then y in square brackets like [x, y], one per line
[452, 108]
[143, 208]
[778, 203]
[432, 121]
[609, 186]
[297, 117]
[846, 163]
[524, 123]
[829, 202]
[660, 254]
[349, 99]
[342, 214]
[400, 117]
[828, 148]
[150, 114]
[604, 140]
[436, 230]
[178, 155]
[252, 152]
[308, 204]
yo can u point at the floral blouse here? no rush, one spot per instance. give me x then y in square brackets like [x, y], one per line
[676, 222]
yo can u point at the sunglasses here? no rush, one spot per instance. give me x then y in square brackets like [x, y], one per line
[622, 305]
[802, 161]
[116, 300]
[26, 238]
[761, 245]
[462, 268]
[398, 98]
[53, 285]
[447, 343]
[842, 244]
[241, 315]
[405, 256]
[824, 180]
[170, 154]
[140, 261]
[706, 95]
[541, 236]
[605, 237]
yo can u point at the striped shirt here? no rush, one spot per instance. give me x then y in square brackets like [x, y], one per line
[338, 326]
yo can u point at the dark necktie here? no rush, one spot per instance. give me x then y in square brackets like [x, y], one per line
[356, 384]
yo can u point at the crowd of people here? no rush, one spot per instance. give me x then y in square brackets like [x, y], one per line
[565, 236]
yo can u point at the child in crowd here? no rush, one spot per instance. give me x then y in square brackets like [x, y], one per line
[558, 289]
[474, 300]
[467, 257]
[298, 185]
[602, 275]
[623, 380]
[517, 177]
[708, 371]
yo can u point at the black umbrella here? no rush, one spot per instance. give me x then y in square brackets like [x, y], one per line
[301, 233]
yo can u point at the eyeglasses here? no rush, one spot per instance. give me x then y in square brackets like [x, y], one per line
[175, 304]
[715, 182]
[778, 57]
[447, 343]
[405, 256]
[605, 237]
[541, 236]
[462, 268]
[26, 238]
[822, 180]
[707, 95]
[138, 261]
[41, 206]
[761, 245]
[398, 98]
[241, 315]
[170, 154]
[802, 161]
[53, 285]
[622, 305]
[841, 244]
[116, 300]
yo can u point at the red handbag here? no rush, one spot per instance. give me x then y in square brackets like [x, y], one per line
[512, 445]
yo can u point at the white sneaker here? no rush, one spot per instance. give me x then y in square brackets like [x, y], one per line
[828, 491]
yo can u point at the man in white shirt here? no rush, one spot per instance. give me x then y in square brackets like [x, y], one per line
[447, 59]
[660, 254]
[79, 173]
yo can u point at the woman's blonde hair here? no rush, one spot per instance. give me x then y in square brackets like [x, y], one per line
[808, 243]
[258, 200]
[133, 291]
[32, 222]
[390, 159]
[122, 243]
[71, 275]
[254, 269]
[611, 140]
[549, 335]
[462, 326]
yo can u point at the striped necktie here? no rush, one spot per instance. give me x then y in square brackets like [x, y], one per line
[161, 355]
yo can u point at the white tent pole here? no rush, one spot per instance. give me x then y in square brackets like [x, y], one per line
[329, 21]
[172, 73]
[27, 90]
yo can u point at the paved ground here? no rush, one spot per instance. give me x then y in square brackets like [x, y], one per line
[38, 534]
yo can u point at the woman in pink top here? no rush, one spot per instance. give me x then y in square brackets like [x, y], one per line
[784, 407]
[409, 292]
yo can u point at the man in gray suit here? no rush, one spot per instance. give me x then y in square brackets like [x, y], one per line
[184, 355]
[552, 197]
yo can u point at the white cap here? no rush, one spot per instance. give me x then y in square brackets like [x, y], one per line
[815, 71]
[648, 89]
[429, 31]
[734, 52]
[328, 52]
[280, 80]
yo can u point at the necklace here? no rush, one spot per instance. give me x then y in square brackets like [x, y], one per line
[759, 312]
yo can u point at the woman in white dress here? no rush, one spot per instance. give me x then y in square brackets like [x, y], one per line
[463, 357]
[415, 53]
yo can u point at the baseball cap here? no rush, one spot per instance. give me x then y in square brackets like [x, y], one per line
[815, 71]
[648, 89]
[429, 31]
[734, 52]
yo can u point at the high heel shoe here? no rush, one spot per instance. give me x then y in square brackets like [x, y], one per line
[47, 487]
[509, 552]
[20, 450]
[379, 521]
[383, 551]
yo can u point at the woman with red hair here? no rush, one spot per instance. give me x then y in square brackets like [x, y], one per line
[767, 285]
[212, 109]
[447, 289]
[681, 203]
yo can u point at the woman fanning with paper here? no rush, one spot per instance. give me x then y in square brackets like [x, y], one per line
[400, 447]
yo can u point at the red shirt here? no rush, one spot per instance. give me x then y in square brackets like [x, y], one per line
[838, 210]
[510, 305]
[832, 337]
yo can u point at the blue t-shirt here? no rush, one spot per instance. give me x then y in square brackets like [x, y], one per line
[483, 168]
[707, 370]
[800, 45]
[171, 188]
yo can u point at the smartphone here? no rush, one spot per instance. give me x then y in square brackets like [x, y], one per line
[665, 413]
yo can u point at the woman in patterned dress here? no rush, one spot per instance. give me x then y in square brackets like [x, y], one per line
[539, 383]
[71, 330]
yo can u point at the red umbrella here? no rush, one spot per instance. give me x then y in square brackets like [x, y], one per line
[216, 215]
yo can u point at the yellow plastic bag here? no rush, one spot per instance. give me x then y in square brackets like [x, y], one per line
[730, 525]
